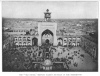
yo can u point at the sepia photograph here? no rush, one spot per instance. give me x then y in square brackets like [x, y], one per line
[50, 36]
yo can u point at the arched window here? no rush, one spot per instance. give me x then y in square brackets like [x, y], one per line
[78, 38]
[16, 43]
[24, 43]
[28, 43]
[34, 41]
[78, 43]
[74, 44]
[60, 41]
[15, 39]
[19, 38]
[74, 38]
[69, 38]
[28, 39]
[20, 43]
[47, 31]
[65, 39]
[24, 38]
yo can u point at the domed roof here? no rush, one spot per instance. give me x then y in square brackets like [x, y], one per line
[47, 62]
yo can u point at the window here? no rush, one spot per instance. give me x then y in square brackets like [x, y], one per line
[74, 39]
[69, 39]
[28, 39]
[24, 43]
[78, 38]
[20, 43]
[16, 43]
[65, 39]
[20, 39]
[28, 43]
[24, 38]
[15, 38]
[21, 30]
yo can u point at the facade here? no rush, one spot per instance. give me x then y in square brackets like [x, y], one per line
[48, 31]
[48, 44]
[90, 46]
[8, 42]
[42, 31]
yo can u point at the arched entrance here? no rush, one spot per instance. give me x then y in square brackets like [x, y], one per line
[47, 37]
[34, 41]
[60, 41]
[47, 41]
[65, 41]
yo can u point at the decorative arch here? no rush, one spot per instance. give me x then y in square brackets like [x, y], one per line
[47, 31]
[60, 41]
[60, 38]
[34, 41]
[51, 27]
[47, 37]
[47, 41]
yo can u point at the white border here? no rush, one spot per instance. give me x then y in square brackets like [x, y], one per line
[17, 73]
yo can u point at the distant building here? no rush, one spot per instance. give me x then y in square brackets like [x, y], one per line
[90, 46]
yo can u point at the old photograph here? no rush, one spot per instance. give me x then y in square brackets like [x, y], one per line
[49, 36]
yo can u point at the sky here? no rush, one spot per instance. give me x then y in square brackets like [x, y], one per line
[58, 9]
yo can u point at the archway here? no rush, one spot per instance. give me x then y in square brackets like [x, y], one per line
[60, 41]
[47, 31]
[47, 41]
[35, 41]
[47, 37]
[65, 41]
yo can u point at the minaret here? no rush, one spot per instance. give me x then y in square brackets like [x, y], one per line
[47, 16]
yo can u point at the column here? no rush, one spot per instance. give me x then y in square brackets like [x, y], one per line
[39, 32]
[55, 37]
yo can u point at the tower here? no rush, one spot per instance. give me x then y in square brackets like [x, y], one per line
[47, 16]
[45, 26]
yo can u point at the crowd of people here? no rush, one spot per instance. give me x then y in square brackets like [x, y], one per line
[66, 55]
[23, 58]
